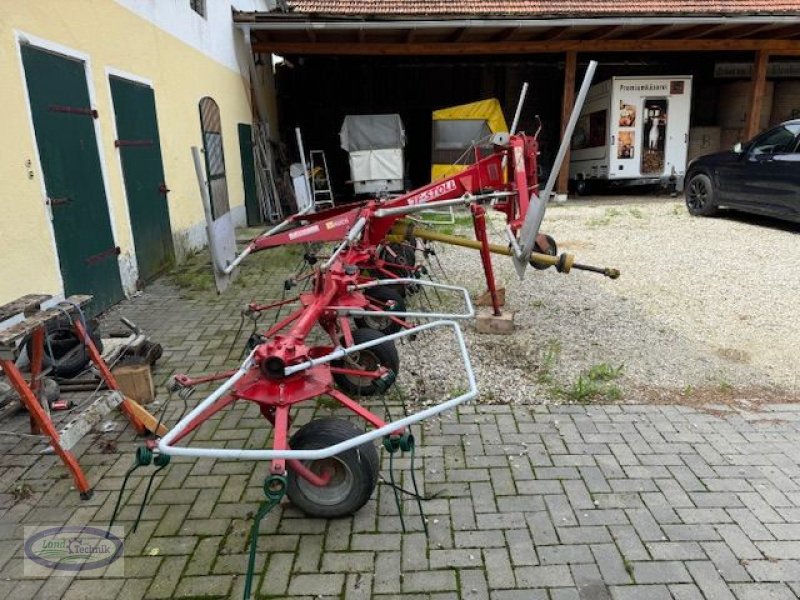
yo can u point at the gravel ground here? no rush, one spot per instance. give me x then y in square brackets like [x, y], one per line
[706, 311]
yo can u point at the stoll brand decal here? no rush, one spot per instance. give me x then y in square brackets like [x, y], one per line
[303, 232]
[433, 192]
[71, 548]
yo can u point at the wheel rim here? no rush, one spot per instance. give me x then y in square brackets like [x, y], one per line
[364, 361]
[338, 488]
[377, 323]
[697, 197]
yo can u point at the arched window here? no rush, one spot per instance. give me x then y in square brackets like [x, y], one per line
[215, 158]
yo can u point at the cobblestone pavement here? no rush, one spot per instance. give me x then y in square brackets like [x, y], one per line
[559, 502]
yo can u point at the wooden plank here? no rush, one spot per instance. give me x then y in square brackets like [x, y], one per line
[567, 102]
[781, 47]
[148, 420]
[9, 337]
[26, 305]
[757, 88]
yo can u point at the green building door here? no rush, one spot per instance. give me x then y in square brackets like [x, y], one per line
[143, 171]
[65, 136]
[249, 175]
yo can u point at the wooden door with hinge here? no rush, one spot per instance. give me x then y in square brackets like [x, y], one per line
[63, 121]
[251, 206]
[143, 172]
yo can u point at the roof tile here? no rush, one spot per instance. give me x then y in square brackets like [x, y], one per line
[544, 8]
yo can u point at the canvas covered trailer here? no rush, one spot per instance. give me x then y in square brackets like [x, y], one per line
[633, 130]
[457, 129]
[375, 146]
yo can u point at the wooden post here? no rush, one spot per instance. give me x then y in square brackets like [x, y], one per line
[567, 102]
[759, 85]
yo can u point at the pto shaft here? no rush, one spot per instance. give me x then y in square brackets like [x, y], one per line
[563, 263]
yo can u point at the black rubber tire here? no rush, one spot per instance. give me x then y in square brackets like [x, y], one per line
[582, 187]
[354, 477]
[383, 294]
[699, 196]
[383, 354]
[69, 352]
[401, 254]
[552, 251]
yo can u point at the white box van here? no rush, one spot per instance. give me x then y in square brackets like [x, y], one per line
[633, 130]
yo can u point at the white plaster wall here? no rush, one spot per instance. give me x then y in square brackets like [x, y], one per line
[214, 35]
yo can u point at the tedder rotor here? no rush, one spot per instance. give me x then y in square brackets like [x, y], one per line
[329, 467]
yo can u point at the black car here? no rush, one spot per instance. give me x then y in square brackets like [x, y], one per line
[760, 176]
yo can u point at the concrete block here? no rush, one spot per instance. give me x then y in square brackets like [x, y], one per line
[486, 322]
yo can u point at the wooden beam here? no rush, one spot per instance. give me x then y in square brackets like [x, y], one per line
[567, 102]
[696, 31]
[780, 47]
[757, 88]
[459, 34]
[651, 31]
[505, 34]
[605, 32]
[410, 35]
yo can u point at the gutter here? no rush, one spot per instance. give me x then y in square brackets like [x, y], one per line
[247, 21]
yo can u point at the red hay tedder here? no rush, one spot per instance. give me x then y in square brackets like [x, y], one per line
[329, 467]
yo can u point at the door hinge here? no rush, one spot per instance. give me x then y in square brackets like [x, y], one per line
[96, 258]
[163, 189]
[58, 201]
[73, 110]
[119, 143]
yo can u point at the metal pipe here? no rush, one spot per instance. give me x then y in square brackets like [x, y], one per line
[354, 232]
[522, 95]
[470, 310]
[317, 454]
[454, 240]
[302, 150]
[533, 220]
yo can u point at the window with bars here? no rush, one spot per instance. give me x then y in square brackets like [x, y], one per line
[215, 158]
[198, 6]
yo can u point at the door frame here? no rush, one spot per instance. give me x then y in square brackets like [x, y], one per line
[22, 38]
[120, 74]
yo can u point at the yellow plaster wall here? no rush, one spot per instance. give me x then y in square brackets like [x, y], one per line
[112, 37]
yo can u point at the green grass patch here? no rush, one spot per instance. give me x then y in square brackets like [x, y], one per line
[595, 384]
[548, 361]
[607, 217]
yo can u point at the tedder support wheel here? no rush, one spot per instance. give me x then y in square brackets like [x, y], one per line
[353, 474]
[552, 250]
[403, 255]
[700, 196]
[393, 300]
[380, 355]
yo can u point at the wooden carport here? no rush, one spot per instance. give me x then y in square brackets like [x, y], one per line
[767, 28]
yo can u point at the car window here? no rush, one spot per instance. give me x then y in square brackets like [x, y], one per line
[776, 141]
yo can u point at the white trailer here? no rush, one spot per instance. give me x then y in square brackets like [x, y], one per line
[633, 130]
[375, 145]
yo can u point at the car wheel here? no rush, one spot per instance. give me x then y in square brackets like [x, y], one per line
[582, 187]
[700, 196]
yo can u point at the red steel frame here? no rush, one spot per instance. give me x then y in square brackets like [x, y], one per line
[510, 169]
[40, 420]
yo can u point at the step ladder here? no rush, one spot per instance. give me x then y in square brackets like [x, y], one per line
[321, 191]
